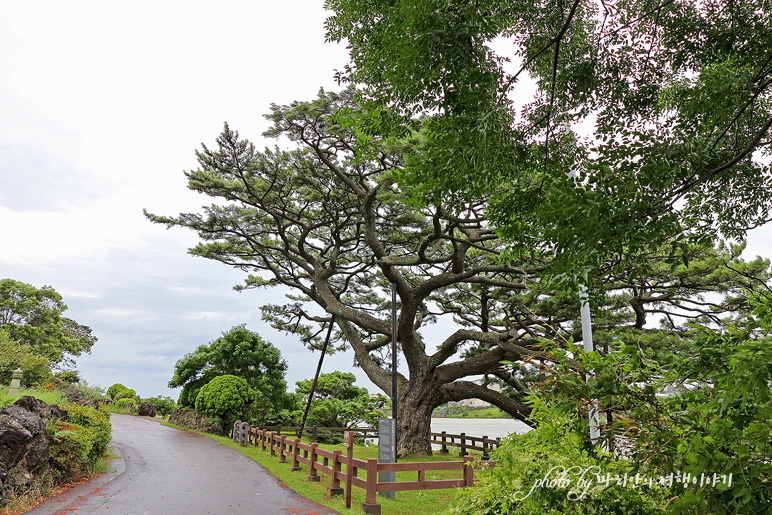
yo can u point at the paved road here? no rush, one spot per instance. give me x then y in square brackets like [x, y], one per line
[167, 471]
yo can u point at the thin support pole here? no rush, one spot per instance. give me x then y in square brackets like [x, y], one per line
[316, 378]
[394, 400]
[589, 347]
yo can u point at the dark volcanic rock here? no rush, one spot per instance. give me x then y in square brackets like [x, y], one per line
[91, 403]
[145, 409]
[192, 420]
[46, 411]
[74, 395]
[13, 437]
[24, 446]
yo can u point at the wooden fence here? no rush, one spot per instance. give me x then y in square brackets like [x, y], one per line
[314, 432]
[359, 473]
[463, 442]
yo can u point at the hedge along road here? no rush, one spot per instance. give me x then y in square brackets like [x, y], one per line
[168, 471]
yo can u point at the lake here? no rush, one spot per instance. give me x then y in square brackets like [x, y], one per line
[490, 427]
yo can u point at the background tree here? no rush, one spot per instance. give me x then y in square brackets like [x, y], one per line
[327, 220]
[243, 353]
[15, 355]
[675, 95]
[116, 389]
[164, 405]
[227, 397]
[338, 402]
[33, 317]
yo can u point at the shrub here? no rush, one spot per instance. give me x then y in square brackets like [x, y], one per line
[71, 450]
[17, 355]
[90, 391]
[126, 394]
[518, 484]
[115, 389]
[67, 377]
[96, 419]
[125, 406]
[227, 397]
[163, 405]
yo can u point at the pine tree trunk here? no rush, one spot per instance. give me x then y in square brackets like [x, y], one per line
[414, 420]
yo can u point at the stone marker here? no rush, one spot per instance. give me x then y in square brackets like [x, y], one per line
[15, 383]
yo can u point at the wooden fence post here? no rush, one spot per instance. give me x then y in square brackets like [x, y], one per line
[312, 476]
[295, 449]
[485, 454]
[370, 507]
[468, 471]
[313, 436]
[334, 488]
[282, 448]
[272, 443]
[444, 449]
[463, 445]
[348, 442]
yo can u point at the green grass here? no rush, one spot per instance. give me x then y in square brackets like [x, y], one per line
[47, 396]
[430, 502]
[467, 412]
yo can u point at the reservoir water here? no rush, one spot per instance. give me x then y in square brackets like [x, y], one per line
[490, 427]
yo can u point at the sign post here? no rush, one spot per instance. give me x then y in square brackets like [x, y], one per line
[387, 435]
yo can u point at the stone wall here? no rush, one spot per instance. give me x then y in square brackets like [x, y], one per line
[190, 419]
[24, 445]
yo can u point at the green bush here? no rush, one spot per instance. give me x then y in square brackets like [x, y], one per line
[227, 397]
[96, 419]
[526, 464]
[115, 389]
[15, 355]
[67, 377]
[95, 392]
[714, 427]
[126, 394]
[72, 450]
[126, 406]
[163, 405]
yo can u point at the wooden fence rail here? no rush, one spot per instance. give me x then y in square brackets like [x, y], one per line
[315, 432]
[463, 442]
[359, 473]
[466, 443]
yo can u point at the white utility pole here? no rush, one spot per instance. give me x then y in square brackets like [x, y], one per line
[589, 347]
[587, 341]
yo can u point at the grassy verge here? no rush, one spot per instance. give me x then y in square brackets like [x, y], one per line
[430, 502]
[47, 396]
[467, 412]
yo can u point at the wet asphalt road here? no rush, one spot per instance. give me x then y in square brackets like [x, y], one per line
[167, 471]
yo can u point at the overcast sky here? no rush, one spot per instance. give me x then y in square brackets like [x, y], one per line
[101, 108]
[102, 105]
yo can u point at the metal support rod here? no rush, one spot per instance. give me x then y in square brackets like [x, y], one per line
[316, 378]
[589, 347]
[394, 400]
